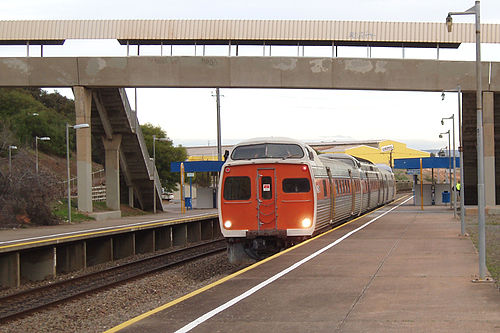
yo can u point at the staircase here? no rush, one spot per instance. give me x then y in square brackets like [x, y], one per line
[111, 114]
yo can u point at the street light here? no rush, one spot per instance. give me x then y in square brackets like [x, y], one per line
[460, 150]
[43, 138]
[76, 127]
[449, 155]
[452, 117]
[10, 158]
[475, 10]
[154, 169]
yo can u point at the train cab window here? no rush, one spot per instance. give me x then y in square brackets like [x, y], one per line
[325, 191]
[266, 188]
[296, 185]
[237, 188]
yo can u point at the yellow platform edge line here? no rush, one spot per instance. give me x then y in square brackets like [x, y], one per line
[229, 277]
[166, 222]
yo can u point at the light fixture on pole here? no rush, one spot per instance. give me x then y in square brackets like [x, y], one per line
[76, 127]
[154, 169]
[449, 157]
[10, 158]
[475, 10]
[452, 117]
[460, 150]
[43, 138]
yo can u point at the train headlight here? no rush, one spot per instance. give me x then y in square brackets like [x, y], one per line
[306, 223]
[228, 224]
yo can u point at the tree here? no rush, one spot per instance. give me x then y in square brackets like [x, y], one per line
[165, 154]
[26, 116]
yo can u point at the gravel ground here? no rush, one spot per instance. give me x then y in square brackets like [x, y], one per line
[492, 230]
[105, 309]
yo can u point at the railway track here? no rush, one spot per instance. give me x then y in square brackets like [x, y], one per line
[15, 305]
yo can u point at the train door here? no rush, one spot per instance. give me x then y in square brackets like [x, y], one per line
[369, 191]
[378, 189]
[386, 187]
[353, 193]
[361, 193]
[332, 194]
[267, 209]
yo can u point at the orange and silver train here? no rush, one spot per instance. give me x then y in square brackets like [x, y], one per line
[276, 192]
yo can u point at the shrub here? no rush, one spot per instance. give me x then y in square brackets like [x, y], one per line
[25, 197]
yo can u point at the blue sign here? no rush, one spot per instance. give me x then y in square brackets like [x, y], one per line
[427, 163]
[197, 166]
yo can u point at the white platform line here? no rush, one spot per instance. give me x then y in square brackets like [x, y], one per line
[261, 285]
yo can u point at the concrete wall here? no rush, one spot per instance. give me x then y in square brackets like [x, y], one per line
[47, 261]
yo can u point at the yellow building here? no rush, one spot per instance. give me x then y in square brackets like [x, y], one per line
[377, 152]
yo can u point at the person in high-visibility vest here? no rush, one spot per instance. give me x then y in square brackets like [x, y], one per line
[458, 187]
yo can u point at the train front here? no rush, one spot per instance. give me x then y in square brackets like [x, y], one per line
[266, 198]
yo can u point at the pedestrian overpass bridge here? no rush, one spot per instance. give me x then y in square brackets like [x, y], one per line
[98, 82]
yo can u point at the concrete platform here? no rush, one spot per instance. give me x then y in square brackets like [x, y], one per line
[406, 271]
[172, 211]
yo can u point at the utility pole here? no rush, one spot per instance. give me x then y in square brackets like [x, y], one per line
[219, 140]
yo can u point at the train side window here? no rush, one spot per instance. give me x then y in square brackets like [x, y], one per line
[237, 188]
[267, 188]
[325, 191]
[296, 185]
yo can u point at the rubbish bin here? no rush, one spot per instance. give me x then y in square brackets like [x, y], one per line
[188, 203]
[445, 197]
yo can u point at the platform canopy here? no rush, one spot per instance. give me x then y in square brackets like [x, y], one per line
[247, 32]
[427, 163]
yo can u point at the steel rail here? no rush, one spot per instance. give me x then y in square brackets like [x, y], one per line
[14, 305]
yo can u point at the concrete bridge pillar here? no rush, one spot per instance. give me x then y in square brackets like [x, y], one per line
[83, 104]
[112, 166]
[489, 147]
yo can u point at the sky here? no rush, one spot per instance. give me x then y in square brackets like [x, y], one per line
[189, 115]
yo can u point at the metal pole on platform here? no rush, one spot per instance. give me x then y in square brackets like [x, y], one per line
[154, 169]
[219, 138]
[154, 174]
[421, 187]
[10, 159]
[43, 138]
[449, 165]
[475, 10]
[461, 151]
[449, 158]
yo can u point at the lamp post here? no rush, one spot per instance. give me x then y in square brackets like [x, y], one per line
[454, 165]
[154, 169]
[43, 138]
[76, 127]
[10, 158]
[449, 156]
[460, 150]
[475, 10]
